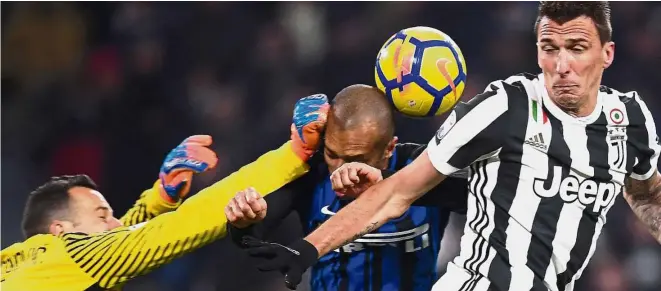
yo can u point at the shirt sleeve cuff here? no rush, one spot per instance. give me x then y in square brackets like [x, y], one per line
[645, 176]
[441, 166]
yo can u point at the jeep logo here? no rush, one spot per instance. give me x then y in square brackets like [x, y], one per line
[588, 192]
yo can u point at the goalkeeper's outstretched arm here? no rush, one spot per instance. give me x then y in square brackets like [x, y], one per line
[149, 205]
[114, 257]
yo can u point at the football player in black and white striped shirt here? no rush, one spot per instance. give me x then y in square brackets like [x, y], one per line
[548, 154]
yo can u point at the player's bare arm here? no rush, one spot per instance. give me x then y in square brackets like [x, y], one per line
[644, 197]
[386, 200]
[355, 178]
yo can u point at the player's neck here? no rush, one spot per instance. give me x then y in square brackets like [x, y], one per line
[582, 110]
[586, 111]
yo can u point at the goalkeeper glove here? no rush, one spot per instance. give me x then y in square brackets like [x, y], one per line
[191, 156]
[309, 120]
[291, 260]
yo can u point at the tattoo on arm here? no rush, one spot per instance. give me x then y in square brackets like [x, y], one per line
[644, 197]
[365, 231]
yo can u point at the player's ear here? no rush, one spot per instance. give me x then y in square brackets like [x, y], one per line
[391, 147]
[56, 227]
[608, 54]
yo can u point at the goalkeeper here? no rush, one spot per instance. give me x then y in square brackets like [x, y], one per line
[75, 243]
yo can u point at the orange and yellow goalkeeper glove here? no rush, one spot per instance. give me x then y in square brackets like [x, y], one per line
[309, 121]
[191, 156]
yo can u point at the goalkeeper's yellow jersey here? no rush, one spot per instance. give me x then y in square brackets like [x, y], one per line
[78, 261]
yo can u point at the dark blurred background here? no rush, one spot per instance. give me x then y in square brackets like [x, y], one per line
[108, 88]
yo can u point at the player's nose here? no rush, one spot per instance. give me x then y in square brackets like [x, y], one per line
[114, 223]
[562, 62]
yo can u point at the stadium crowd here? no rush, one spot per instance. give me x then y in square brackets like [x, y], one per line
[87, 87]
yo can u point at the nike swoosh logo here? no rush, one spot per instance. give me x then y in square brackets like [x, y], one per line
[441, 65]
[324, 210]
[403, 68]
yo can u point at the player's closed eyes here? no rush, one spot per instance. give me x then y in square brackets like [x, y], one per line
[578, 49]
[549, 49]
[331, 155]
[356, 159]
[575, 49]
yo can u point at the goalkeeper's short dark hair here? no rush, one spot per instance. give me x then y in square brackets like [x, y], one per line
[561, 12]
[50, 201]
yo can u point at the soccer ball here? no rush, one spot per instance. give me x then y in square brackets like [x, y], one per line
[421, 71]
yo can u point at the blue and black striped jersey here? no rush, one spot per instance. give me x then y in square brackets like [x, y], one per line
[400, 255]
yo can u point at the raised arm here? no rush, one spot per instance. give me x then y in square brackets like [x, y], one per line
[643, 186]
[176, 173]
[114, 257]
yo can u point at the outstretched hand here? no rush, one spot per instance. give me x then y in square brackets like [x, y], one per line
[192, 156]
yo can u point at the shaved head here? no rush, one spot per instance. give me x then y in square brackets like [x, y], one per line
[359, 106]
[360, 128]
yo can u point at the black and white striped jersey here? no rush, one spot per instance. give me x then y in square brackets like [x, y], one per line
[541, 181]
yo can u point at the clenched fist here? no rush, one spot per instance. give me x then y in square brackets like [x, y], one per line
[352, 179]
[246, 208]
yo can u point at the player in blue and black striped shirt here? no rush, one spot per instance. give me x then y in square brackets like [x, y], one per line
[401, 254]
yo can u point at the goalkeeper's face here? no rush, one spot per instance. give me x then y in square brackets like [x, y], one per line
[89, 212]
[364, 144]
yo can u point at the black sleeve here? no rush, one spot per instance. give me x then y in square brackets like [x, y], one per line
[279, 205]
[451, 194]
